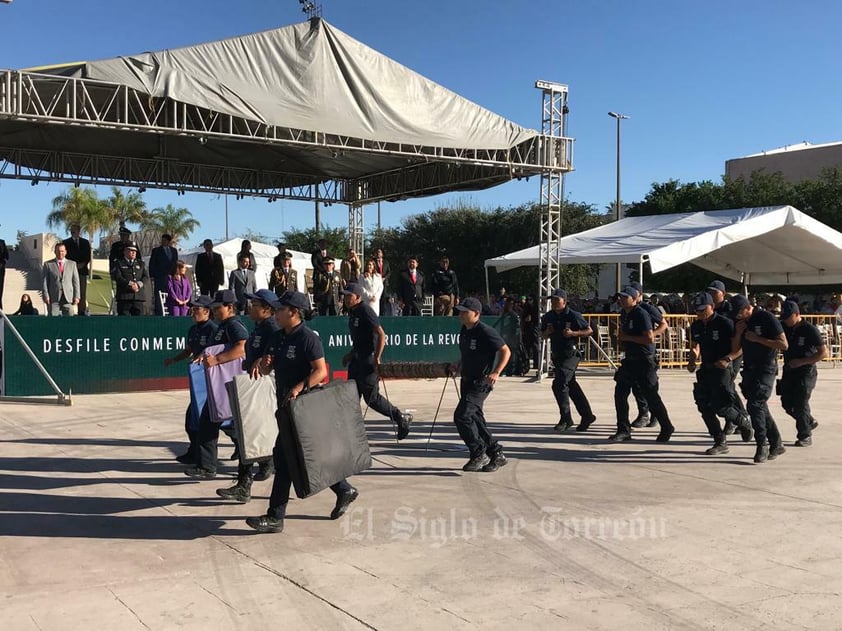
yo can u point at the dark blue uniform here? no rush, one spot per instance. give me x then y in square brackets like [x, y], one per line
[640, 400]
[760, 367]
[725, 309]
[713, 391]
[638, 367]
[292, 354]
[198, 339]
[797, 383]
[363, 324]
[565, 353]
[228, 332]
[478, 347]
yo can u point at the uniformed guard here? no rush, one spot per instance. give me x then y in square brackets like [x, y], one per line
[761, 337]
[659, 326]
[233, 334]
[564, 328]
[368, 340]
[131, 277]
[327, 289]
[297, 355]
[261, 312]
[636, 338]
[483, 354]
[115, 254]
[805, 349]
[712, 342]
[198, 338]
[722, 306]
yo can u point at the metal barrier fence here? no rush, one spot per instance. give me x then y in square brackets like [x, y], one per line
[672, 347]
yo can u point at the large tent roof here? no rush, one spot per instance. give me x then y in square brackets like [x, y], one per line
[763, 246]
[294, 106]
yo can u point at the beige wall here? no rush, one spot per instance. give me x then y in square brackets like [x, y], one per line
[795, 166]
[38, 248]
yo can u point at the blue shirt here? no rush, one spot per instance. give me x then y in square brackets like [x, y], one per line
[200, 336]
[637, 322]
[757, 356]
[259, 341]
[230, 331]
[478, 347]
[564, 319]
[804, 341]
[362, 323]
[713, 337]
[292, 355]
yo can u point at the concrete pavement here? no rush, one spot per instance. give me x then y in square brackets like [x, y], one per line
[100, 529]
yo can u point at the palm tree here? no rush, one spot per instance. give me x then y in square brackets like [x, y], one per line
[177, 222]
[125, 208]
[79, 205]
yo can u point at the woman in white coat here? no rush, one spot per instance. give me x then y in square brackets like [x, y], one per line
[372, 285]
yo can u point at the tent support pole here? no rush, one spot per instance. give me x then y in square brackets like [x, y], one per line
[487, 288]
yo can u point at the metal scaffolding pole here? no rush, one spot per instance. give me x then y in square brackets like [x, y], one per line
[356, 231]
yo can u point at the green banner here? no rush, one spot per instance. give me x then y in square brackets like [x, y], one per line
[113, 354]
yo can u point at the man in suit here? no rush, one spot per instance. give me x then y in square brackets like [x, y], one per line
[79, 251]
[381, 266]
[161, 263]
[131, 277]
[4, 258]
[411, 289]
[241, 281]
[284, 278]
[210, 273]
[61, 283]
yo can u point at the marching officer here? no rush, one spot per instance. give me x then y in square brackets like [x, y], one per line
[483, 354]
[297, 355]
[368, 339]
[712, 342]
[806, 349]
[564, 328]
[131, 277]
[761, 337]
[636, 337]
[199, 337]
[261, 312]
[660, 325]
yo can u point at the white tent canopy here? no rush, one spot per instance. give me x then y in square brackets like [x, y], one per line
[760, 246]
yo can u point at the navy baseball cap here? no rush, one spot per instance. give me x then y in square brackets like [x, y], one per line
[469, 304]
[789, 308]
[717, 285]
[739, 302]
[264, 295]
[558, 293]
[295, 299]
[353, 289]
[202, 301]
[635, 285]
[224, 297]
[629, 292]
[702, 300]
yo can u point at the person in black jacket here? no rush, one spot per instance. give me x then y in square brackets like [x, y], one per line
[131, 277]
[411, 289]
[116, 252]
[79, 251]
[161, 263]
[445, 288]
[210, 272]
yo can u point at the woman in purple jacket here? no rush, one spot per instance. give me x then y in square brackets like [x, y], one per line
[179, 290]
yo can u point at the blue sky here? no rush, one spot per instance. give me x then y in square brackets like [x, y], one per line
[701, 81]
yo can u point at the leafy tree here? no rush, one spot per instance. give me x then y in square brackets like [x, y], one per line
[125, 208]
[79, 205]
[256, 237]
[305, 240]
[177, 222]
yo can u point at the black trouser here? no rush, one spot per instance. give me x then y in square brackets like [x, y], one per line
[2, 281]
[640, 400]
[641, 371]
[208, 290]
[192, 436]
[411, 308]
[129, 308]
[326, 307]
[796, 387]
[566, 389]
[470, 420]
[282, 483]
[735, 367]
[207, 438]
[83, 294]
[715, 397]
[362, 371]
[757, 386]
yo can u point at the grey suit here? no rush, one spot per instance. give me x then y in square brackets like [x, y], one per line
[240, 286]
[61, 288]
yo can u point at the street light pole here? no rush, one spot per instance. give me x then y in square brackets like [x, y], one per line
[617, 216]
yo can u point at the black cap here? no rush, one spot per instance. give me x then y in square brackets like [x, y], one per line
[558, 293]
[202, 301]
[224, 297]
[295, 299]
[131, 245]
[469, 304]
[635, 285]
[328, 259]
[353, 289]
[124, 230]
[628, 292]
[702, 300]
[717, 285]
[264, 295]
[739, 302]
[287, 255]
[789, 308]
